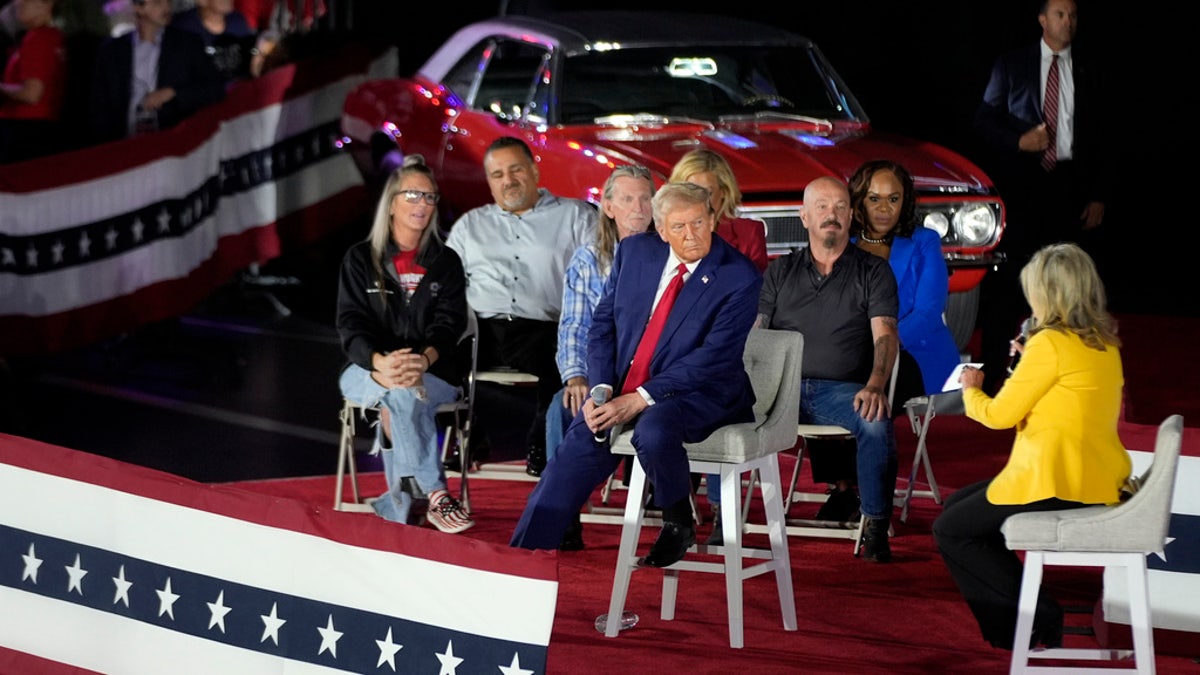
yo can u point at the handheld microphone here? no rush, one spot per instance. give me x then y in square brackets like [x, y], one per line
[1015, 356]
[600, 394]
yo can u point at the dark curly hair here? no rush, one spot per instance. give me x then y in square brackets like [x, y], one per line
[860, 182]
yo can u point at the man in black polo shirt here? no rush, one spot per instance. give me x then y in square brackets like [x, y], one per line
[843, 300]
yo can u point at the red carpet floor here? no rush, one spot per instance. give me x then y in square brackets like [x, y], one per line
[854, 616]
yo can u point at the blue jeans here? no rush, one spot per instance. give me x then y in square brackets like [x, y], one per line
[413, 420]
[832, 402]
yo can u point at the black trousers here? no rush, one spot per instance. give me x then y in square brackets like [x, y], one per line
[987, 573]
[529, 346]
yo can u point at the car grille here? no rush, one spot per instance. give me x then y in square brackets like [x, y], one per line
[784, 229]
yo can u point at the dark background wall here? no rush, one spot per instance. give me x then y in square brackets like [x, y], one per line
[919, 69]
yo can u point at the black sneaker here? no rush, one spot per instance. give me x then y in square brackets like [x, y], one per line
[535, 463]
[842, 506]
[875, 546]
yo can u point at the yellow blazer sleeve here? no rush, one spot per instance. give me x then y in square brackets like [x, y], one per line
[1033, 377]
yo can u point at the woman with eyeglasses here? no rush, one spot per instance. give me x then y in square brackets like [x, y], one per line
[401, 310]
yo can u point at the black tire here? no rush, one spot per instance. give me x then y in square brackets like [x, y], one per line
[961, 311]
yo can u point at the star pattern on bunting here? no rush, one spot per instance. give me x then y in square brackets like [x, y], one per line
[219, 610]
[271, 624]
[32, 564]
[387, 651]
[449, 661]
[329, 638]
[122, 587]
[75, 575]
[288, 626]
[174, 215]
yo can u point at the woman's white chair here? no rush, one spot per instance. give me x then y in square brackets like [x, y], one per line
[461, 412]
[772, 360]
[1121, 535]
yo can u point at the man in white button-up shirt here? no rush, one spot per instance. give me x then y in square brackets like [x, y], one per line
[515, 253]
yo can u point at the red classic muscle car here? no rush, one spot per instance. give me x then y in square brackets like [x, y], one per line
[589, 91]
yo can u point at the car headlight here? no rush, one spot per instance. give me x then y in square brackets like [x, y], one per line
[975, 224]
[963, 224]
[938, 222]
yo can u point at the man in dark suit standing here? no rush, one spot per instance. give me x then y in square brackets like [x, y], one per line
[150, 78]
[1049, 164]
[679, 389]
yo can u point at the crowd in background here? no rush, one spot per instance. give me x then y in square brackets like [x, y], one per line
[67, 60]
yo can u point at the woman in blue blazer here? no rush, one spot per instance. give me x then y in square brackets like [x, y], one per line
[883, 202]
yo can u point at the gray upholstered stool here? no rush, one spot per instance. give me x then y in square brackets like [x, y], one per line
[772, 360]
[1115, 536]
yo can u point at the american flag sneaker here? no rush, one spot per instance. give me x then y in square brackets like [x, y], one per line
[447, 514]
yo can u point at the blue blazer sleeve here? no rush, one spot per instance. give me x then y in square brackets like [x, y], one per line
[1011, 103]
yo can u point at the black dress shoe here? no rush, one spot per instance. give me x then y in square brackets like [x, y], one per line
[672, 543]
[535, 462]
[573, 538]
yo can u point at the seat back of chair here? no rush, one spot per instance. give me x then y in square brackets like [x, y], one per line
[1149, 510]
[773, 359]
[1138, 524]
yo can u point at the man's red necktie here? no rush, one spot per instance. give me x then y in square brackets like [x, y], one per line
[1050, 115]
[639, 370]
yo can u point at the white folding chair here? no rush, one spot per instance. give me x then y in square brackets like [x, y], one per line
[503, 376]
[808, 527]
[921, 410]
[1112, 537]
[458, 430]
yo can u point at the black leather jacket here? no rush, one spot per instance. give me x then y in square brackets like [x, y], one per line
[374, 314]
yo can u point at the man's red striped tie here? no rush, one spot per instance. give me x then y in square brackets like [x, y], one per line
[1050, 115]
[639, 370]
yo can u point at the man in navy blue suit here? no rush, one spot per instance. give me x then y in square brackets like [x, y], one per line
[1051, 194]
[696, 379]
[150, 78]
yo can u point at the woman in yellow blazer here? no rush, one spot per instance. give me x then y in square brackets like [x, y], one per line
[1064, 398]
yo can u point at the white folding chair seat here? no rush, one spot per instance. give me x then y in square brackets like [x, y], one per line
[1112, 537]
[773, 362]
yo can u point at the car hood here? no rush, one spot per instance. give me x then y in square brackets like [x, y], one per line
[776, 161]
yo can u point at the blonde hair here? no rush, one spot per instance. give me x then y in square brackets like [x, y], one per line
[1062, 285]
[673, 196]
[704, 160]
[381, 226]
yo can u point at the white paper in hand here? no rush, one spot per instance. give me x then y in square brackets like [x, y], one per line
[952, 383]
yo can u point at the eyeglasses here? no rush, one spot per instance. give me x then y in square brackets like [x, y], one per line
[414, 196]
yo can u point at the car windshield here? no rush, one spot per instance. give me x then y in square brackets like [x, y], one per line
[703, 83]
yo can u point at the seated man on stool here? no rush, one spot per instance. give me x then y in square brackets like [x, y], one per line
[843, 300]
[668, 335]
